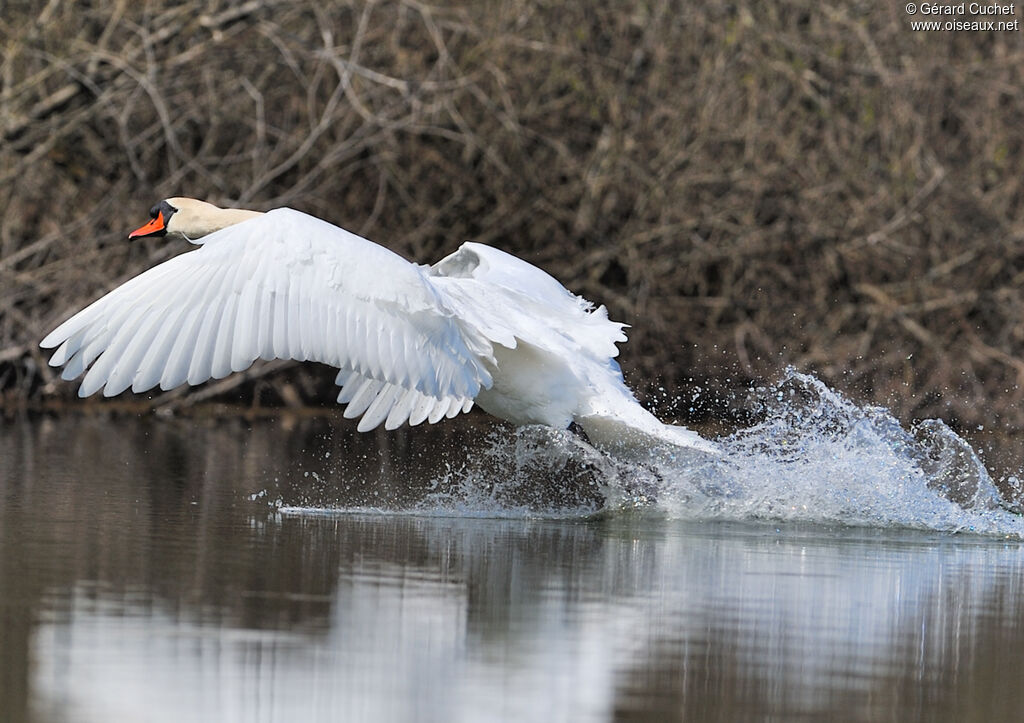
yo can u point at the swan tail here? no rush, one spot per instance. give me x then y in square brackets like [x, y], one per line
[623, 436]
[624, 426]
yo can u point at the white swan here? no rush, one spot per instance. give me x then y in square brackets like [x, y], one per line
[413, 343]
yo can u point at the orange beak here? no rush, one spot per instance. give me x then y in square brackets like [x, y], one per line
[150, 229]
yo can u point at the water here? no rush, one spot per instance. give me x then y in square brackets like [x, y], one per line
[830, 566]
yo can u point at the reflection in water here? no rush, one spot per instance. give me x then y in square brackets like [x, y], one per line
[141, 581]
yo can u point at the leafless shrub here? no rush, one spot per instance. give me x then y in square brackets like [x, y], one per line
[751, 186]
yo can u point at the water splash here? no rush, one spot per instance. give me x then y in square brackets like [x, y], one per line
[814, 457]
[818, 457]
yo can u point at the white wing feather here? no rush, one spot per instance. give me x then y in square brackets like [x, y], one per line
[403, 405]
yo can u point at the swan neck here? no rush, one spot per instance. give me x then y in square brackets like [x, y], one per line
[215, 219]
[231, 216]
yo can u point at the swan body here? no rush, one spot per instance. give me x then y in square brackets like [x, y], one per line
[413, 343]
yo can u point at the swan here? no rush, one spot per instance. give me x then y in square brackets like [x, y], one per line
[412, 343]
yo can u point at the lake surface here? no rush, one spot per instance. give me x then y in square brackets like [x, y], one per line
[289, 569]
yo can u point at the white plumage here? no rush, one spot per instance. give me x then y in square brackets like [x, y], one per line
[412, 343]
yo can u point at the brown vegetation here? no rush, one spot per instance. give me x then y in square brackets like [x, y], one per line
[749, 186]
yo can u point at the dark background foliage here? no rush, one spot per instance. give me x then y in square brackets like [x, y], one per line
[749, 185]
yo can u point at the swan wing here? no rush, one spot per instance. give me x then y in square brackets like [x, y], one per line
[284, 285]
[506, 298]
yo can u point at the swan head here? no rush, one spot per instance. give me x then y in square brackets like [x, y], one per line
[189, 218]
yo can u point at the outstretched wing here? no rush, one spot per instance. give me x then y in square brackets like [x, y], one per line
[507, 299]
[284, 285]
